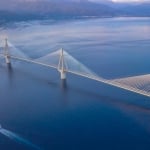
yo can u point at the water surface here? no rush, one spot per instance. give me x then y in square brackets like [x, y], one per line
[81, 113]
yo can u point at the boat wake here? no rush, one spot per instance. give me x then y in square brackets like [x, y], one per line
[18, 138]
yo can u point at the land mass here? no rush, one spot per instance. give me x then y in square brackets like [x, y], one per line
[11, 10]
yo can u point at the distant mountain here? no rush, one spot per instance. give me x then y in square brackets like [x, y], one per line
[134, 9]
[61, 9]
[23, 9]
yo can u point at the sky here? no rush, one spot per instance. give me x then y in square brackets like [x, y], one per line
[123, 0]
[5, 1]
[130, 0]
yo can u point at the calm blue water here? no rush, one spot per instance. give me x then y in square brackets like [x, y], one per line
[81, 113]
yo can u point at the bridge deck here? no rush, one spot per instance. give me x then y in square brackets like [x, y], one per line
[120, 83]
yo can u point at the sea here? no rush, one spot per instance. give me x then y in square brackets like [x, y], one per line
[40, 111]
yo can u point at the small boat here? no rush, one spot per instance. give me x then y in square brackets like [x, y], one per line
[0, 126]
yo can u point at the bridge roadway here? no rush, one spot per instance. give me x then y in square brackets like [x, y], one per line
[92, 77]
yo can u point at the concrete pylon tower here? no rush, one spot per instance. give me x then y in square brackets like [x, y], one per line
[6, 52]
[61, 65]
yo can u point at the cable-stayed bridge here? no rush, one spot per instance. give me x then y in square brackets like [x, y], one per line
[65, 63]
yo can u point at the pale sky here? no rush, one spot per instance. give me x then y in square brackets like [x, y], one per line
[131, 0]
[123, 0]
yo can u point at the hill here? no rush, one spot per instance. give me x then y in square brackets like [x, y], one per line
[29, 9]
[11, 10]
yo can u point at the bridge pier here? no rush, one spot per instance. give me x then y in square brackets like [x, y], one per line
[6, 52]
[7, 59]
[63, 75]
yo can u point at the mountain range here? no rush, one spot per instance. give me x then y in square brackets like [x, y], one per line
[61, 9]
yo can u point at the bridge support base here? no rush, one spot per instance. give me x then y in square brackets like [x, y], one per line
[63, 75]
[7, 59]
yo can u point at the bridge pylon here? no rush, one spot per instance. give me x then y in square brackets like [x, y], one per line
[6, 52]
[61, 65]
